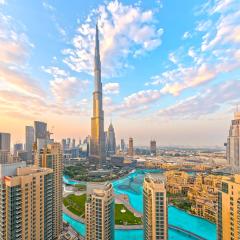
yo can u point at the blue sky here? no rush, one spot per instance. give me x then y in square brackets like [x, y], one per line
[169, 67]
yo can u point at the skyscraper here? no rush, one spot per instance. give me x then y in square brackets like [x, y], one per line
[155, 211]
[228, 223]
[97, 145]
[153, 147]
[25, 202]
[51, 157]
[29, 139]
[5, 141]
[233, 142]
[122, 145]
[99, 211]
[111, 141]
[130, 147]
[40, 130]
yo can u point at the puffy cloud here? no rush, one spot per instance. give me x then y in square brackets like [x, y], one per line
[205, 103]
[63, 86]
[186, 35]
[134, 103]
[141, 98]
[125, 30]
[172, 58]
[111, 88]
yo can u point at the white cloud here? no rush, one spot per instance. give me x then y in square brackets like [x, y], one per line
[208, 102]
[187, 35]
[134, 103]
[203, 26]
[2, 2]
[63, 86]
[111, 88]
[125, 30]
[217, 53]
[172, 58]
[226, 29]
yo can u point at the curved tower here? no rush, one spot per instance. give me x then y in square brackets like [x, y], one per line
[97, 145]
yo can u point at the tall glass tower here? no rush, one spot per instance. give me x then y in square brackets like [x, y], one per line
[97, 145]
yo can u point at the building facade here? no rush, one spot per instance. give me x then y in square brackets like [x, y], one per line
[99, 212]
[233, 142]
[97, 143]
[228, 224]
[153, 147]
[25, 202]
[130, 147]
[111, 141]
[29, 140]
[5, 142]
[40, 134]
[155, 210]
[122, 145]
[51, 157]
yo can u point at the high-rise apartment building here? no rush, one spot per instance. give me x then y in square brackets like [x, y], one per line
[130, 147]
[97, 143]
[5, 142]
[29, 141]
[99, 211]
[155, 210]
[25, 202]
[228, 223]
[233, 142]
[51, 157]
[111, 141]
[153, 147]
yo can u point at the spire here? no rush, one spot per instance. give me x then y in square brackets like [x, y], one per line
[97, 64]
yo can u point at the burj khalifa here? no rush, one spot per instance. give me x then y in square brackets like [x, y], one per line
[97, 142]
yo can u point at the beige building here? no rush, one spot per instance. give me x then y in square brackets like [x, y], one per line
[228, 224]
[25, 202]
[178, 182]
[99, 211]
[155, 212]
[51, 157]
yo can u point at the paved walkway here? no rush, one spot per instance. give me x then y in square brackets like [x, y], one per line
[70, 214]
[122, 198]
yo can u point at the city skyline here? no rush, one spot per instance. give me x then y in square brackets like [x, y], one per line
[179, 81]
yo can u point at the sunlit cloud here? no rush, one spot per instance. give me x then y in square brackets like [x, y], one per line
[207, 102]
[111, 88]
[125, 30]
[64, 86]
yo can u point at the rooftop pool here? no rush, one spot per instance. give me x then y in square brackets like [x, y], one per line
[131, 185]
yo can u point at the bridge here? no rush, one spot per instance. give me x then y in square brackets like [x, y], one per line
[191, 234]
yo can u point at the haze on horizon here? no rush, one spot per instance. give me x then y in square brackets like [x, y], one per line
[170, 69]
